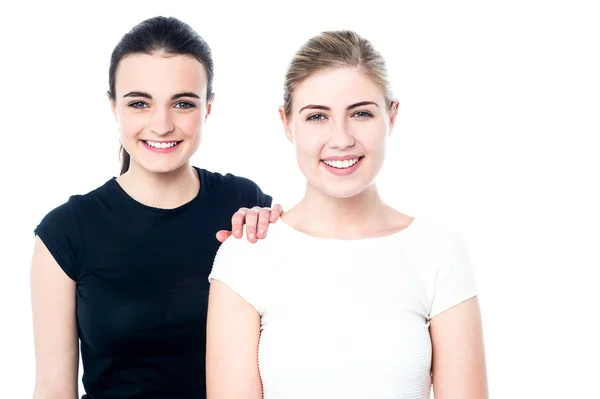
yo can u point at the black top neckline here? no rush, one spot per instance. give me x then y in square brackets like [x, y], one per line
[113, 184]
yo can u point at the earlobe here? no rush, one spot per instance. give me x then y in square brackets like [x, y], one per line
[393, 115]
[286, 124]
[113, 106]
[209, 104]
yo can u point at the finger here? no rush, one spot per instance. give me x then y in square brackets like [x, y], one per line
[276, 213]
[251, 222]
[222, 235]
[263, 222]
[237, 222]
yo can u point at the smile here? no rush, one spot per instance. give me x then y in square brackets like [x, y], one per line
[345, 164]
[342, 167]
[162, 144]
[161, 147]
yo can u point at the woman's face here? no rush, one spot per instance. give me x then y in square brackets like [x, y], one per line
[339, 125]
[160, 105]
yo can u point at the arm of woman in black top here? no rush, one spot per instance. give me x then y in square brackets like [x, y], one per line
[55, 330]
[54, 271]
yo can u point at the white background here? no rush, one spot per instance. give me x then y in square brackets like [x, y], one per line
[497, 137]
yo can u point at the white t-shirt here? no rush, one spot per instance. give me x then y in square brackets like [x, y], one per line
[347, 318]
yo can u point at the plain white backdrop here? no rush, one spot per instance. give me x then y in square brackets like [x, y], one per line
[497, 136]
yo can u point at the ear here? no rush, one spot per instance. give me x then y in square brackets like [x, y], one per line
[113, 106]
[286, 124]
[393, 113]
[209, 104]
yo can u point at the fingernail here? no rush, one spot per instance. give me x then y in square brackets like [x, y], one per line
[261, 232]
[251, 236]
[237, 232]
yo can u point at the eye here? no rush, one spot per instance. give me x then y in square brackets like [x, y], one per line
[138, 104]
[315, 118]
[362, 115]
[185, 105]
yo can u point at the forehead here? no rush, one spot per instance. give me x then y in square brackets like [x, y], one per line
[160, 75]
[337, 87]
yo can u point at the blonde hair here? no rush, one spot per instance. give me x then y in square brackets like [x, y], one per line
[335, 49]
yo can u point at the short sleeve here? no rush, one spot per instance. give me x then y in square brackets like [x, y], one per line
[236, 265]
[454, 281]
[59, 231]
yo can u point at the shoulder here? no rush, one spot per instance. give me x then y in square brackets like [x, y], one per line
[243, 266]
[61, 214]
[450, 273]
[66, 216]
[241, 190]
[433, 236]
[61, 228]
[227, 180]
[76, 203]
[239, 252]
[275, 243]
[430, 244]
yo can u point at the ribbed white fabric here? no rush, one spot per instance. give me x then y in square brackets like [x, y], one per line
[347, 318]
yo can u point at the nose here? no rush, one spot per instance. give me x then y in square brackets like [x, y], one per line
[340, 136]
[161, 122]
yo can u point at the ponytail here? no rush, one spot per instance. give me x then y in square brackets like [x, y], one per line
[125, 159]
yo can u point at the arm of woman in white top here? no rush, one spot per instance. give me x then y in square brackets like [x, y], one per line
[458, 369]
[54, 324]
[233, 331]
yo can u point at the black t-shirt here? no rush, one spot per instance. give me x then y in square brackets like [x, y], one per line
[142, 283]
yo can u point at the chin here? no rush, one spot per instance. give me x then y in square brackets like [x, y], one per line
[161, 168]
[346, 192]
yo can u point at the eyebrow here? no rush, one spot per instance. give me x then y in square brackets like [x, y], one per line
[348, 108]
[149, 97]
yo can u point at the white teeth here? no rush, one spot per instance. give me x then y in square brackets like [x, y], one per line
[163, 144]
[342, 164]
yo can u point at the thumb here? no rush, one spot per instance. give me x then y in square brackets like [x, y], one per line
[222, 235]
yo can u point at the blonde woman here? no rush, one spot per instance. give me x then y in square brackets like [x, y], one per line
[349, 298]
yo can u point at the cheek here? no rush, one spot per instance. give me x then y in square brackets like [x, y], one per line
[375, 143]
[131, 124]
[374, 139]
[190, 124]
[309, 143]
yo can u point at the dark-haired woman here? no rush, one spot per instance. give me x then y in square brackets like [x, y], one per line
[121, 271]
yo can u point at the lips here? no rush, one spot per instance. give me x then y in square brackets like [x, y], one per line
[161, 147]
[341, 166]
[161, 144]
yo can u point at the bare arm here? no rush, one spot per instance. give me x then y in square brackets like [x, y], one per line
[54, 325]
[459, 370]
[233, 331]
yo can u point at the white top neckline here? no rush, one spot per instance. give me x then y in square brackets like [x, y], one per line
[393, 236]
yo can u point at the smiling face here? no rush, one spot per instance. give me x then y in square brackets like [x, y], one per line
[339, 124]
[160, 105]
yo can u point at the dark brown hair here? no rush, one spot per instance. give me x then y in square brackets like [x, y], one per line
[159, 35]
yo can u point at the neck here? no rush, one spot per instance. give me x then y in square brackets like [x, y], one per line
[161, 190]
[361, 216]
